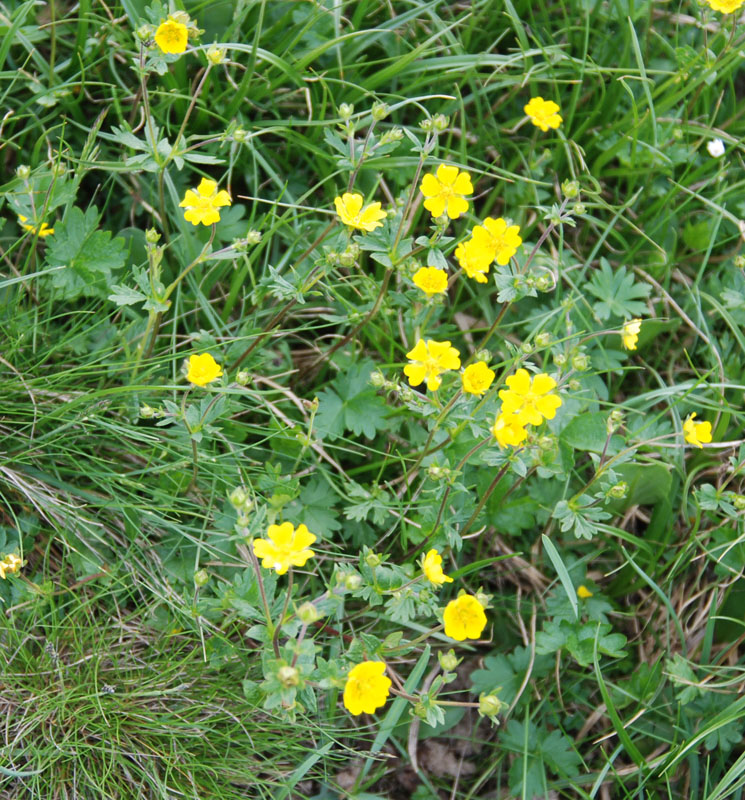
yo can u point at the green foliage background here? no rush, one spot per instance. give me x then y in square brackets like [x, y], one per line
[123, 677]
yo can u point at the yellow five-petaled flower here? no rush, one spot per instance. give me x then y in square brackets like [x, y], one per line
[428, 360]
[544, 114]
[350, 209]
[366, 688]
[725, 6]
[444, 191]
[464, 618]
[431, 280]
[203, 369]
[172, 36]
[10, 564]
[508, 430]
[432, 568]
[477, 378]
[284, 547]
[203, 205]
[630, 333]
[531, 400]
[43, 229]
[696, 433]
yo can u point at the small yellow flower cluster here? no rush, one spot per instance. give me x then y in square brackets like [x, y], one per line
[526, 401]
[10, 564]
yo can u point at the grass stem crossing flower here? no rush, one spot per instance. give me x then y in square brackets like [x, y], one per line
[43, 229]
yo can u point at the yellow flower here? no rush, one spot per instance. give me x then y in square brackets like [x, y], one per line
[508, 430]
[474, 260]
[350, 211]
[444, 191]
[204, 204]
[366, 688]
[10, 564]
[544, 114]
[497, 238]
[725, 6]
[696, 433]
[172, 36]
[203, 369]
[583, 592]
[432, 568]
[630, 333]
[464, 618]
[530, 400]
[477, 378]
[428, 361]
[43, 230]
[285, 547]
[431, 280]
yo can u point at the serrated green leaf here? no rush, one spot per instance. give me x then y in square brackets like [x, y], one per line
[124, 296]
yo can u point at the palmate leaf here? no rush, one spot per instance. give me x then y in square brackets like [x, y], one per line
[618, 293]
[87, 254]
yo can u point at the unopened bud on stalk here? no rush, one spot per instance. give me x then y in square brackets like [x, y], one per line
[379, 111]
[288, 676]
[201, 577]
[308, 613]
[345, 111]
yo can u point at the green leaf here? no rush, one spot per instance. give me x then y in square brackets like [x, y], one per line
[88, 255]
[124, 296]
[315, 508]
[587, 432]
[617, 292]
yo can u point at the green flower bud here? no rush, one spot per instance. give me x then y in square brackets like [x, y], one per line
[544, 283]
[253, 237]
[240, 135]
[377, 379]
[543, 340]
[239, 498]
[740, 262]
[144, 32]
[201, 577]
[345, 111]
[526, 348]
[146, 411]
[373, 560]
[152, 236]
[448, 661]
[560, 359]
[288, 676]
[579, 209]
[379, 111]
[23, 172]
[570, 189]
[352, 582]
[738, 501]
[419, 710]
[619, 491]
[242, 377]
[574, 385]
[216, 55]
[581, 362]
[393, 135]
[346, 259]
[484, 599]
[440, 122]
[308, 613]
[426, 125]
[615, 420]
[546, 443]
[490, 705]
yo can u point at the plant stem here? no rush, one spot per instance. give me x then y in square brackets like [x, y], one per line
[262, 592]
[275, 637]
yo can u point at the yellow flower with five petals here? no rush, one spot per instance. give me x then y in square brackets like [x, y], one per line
[477, 378]
[431, 280]
[696, 433]
[428, 360]
[432, 568]
[367, 688]
[172, 36]
[203, 205]
[508, 430]
[464, 618]
[203, 369]
[531, 399]
[544, 114]
[284, 547]
[498, 239]
[444, 191]
[352, 212]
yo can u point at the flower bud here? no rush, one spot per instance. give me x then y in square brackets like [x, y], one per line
[574, 385]
[546, 443]
[619, 491]
[242, 377]
[615, 420]
[560, 359]
[738, 501]
[240, 135]
[570, 189]
[373, 560]
[579, 209]
[407, 394]
[152, 236]
[345, 111]
[239, 497]
[201, 577]
[144, 32]
[740, 262]
[182, 17]
[543, 340]
[377, 379]
[352, 582]
[216, 55]
[581, 362]
[346, 259]
[435, 472]
[426, 125]
[379, 111]
[288, 676]
[448, 661]
[440, 122]
[253, 237]
[419, 710]
[146, 411]
[527, 348]
[308, 613]
[544, 283]
[393, 135]
[490, 705]
[23, 172]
